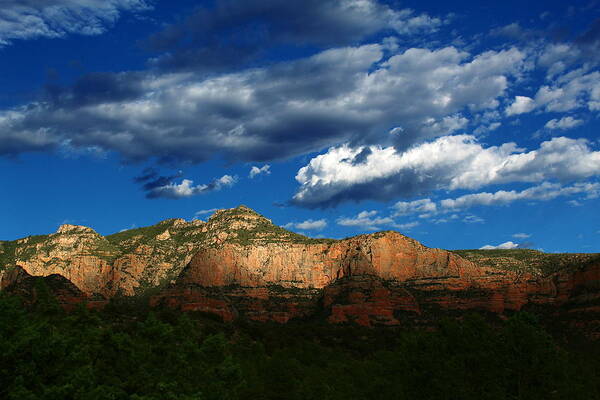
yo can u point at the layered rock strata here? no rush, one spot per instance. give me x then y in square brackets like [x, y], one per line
[239, 264]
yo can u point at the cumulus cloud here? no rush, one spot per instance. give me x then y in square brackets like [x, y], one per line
[187, 188]
[450, 162]
[572, 91]
[563, 124]
[427, 208]
[353, 94]
[521, 105]
[576, 89]
[30, 19]
[366, 220]
[502, 246]
[307, 225]
[230, 34]
[255, 171]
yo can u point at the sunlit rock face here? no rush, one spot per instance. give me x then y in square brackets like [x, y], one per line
[238, 264]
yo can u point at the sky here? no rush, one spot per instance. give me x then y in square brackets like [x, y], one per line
[462, 124]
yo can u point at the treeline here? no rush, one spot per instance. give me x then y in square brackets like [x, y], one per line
[127, 353]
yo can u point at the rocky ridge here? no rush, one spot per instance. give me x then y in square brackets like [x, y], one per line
[239, 264]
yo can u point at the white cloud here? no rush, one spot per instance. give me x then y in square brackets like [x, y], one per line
[521, 105]
[563, 123]
[406, 226]
[423, 206]
[473, 219]
[187, 188]
[254, 171]
[26, 19]
[366, 220]
[573, 90]
[521, 235]
[503, 246]
[487, 128]
[545, 191]
[557, 57]
[444, 220]
[279, 111]
[450, 162]
[307, 225]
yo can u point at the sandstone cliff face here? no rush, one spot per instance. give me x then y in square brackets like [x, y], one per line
[238, 264]
[75, 252]
[350, 275]
[388, 255]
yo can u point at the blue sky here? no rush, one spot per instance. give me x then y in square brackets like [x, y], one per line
[462, 124]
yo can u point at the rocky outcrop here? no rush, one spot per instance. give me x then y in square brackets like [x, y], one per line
[77, 253]
[238, 264]
[121, 264]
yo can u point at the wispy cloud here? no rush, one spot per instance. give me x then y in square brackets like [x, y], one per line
[157, 186]
[543, 192]
[366, 220]
[406, 226]
[21, 20]
[473, 219]
[307, 225]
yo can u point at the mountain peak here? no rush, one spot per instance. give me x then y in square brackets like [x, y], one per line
[69, 229]
[240, 212]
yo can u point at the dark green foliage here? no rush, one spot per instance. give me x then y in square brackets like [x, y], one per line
[124, 353]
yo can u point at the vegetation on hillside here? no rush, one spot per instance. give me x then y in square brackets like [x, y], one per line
[527, 260]
[8, 249]
[128, 352]
[258, 229]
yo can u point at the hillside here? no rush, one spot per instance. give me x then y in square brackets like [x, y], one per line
[527, 260]
[239, 265]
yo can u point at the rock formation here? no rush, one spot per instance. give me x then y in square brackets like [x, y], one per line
[239, 264]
